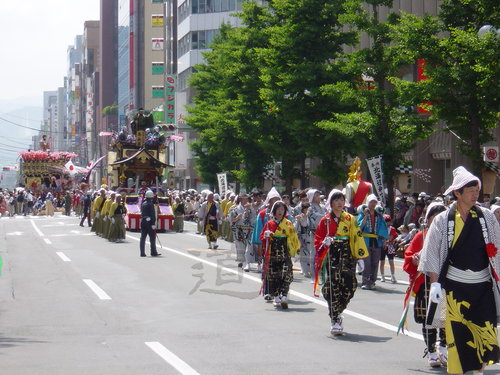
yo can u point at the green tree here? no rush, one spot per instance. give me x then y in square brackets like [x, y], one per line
[305, 37]
[462, 70]
[228, 113]
[386, 120]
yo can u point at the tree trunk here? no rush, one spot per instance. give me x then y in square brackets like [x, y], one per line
[303, 172]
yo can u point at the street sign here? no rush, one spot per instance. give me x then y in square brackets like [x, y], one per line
[490, 154]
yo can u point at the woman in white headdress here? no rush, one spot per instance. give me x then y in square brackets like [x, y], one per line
[281, 244]
[339, 245]
[314, 215]
[496, 211]
[262, 218]
[210, 214]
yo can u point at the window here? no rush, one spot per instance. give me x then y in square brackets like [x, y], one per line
[194, 40]
[183, 11]
[183, 78]
[208, 6]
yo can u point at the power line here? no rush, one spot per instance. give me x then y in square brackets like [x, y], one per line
[19, 143]
[23, 126]
[6, 150]
[22, 118]
[10, 146]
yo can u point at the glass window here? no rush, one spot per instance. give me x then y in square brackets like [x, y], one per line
[194, 7]
[239, 4]
[202, 39]
[232, 5]
[194, 40]
[210, 6]
[217, 5]
[224, 5]
[202, 6]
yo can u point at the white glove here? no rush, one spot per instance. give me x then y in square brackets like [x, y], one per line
[97, 214]
[327, 241]
[148, 219]
[267, 234]
[113, 220]
[360, 265]
[153, 227]
[105, 218]
[436, 293]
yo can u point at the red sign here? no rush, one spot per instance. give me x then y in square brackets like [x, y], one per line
[421, 77]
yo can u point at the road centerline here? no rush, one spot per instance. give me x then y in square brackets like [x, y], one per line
[37, 229]
[171, 358]
[96, 289]
[63, 256]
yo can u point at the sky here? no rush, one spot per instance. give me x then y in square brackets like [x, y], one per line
[34, 37]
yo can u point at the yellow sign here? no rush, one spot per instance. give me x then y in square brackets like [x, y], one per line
[157, 20]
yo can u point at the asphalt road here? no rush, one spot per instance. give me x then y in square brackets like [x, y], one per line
[73, 303]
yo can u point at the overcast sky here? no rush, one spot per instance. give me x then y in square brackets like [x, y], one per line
[34, 37]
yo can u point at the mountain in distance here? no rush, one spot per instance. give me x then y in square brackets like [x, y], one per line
[13, 104]
[23, 111]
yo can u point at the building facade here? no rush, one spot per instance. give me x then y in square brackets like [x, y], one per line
[141, 56]
[73, 93]
[197, 22]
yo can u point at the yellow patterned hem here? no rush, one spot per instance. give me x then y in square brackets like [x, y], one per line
[483, 338]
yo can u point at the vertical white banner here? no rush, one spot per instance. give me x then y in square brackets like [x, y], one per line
[222, 180]
[375, 167]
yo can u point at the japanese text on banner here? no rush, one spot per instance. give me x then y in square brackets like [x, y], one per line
[222, 180]
[375, 167]
[170, 87]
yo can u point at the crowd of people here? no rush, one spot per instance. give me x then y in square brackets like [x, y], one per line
[449, 243]
[21, 201]
[453, 265]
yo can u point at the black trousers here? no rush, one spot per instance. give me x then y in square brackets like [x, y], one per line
[147, 230]
[86, 214]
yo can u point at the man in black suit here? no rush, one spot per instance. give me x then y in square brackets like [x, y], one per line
[87, 201]
[148, 224]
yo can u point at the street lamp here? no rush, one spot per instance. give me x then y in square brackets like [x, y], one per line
[487, 29]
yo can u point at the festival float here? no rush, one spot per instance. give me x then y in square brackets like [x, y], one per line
[45, 170]
[141, 158]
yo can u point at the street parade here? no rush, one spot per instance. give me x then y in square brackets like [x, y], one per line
[314, 235]
[225, 187]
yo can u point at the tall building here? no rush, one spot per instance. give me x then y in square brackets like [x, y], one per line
[73, 93]
[141, 56]
[124, 59]
[50, 122]
[89, 90]
[197, 22]
[59, 140]
[106, 102]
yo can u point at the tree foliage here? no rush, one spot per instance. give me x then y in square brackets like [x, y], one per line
[385, 120]
[228, 113]
[462, 70]
[286, 86]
